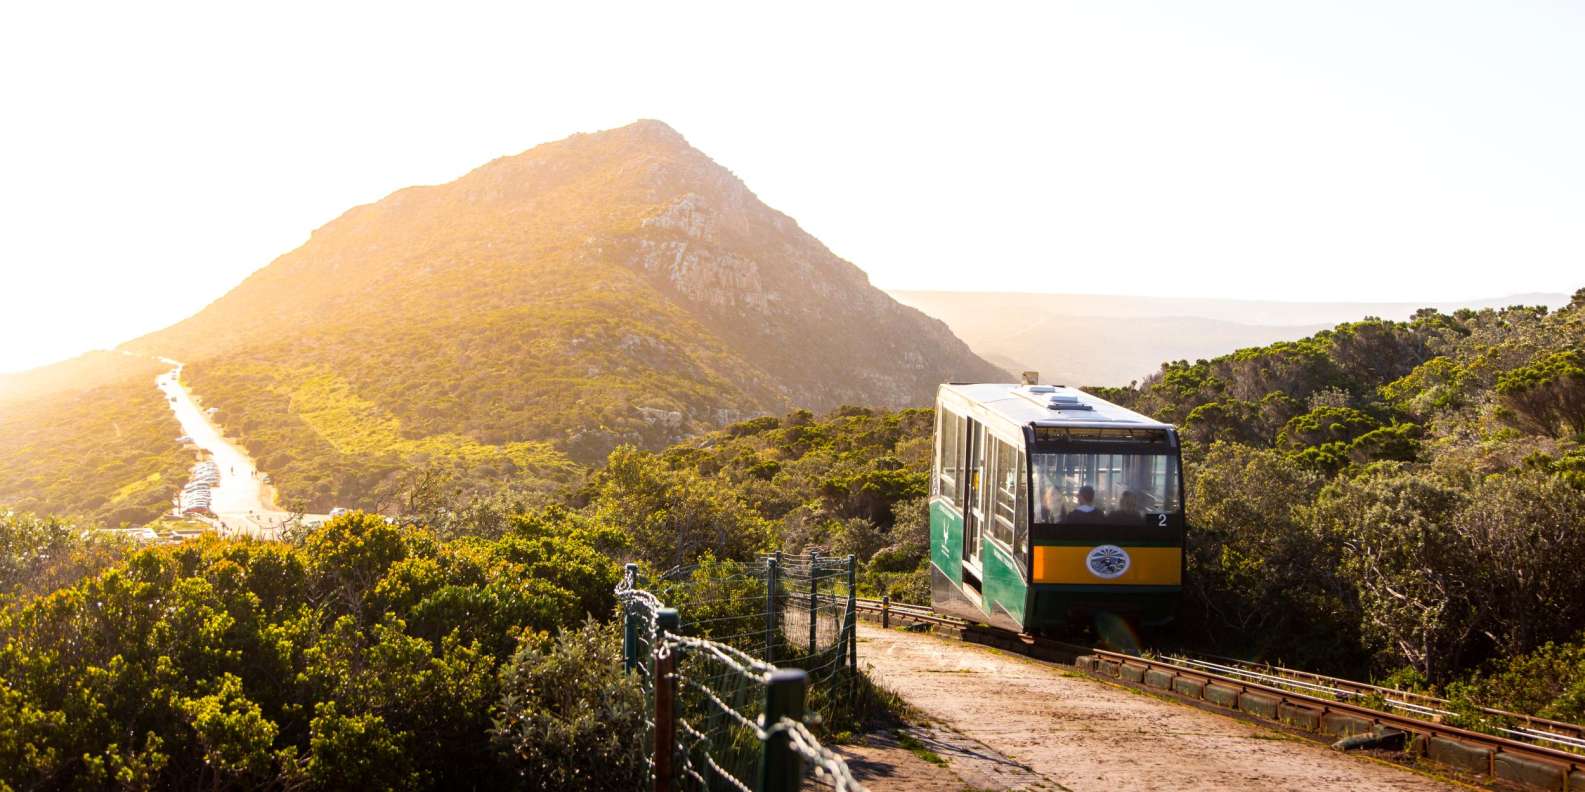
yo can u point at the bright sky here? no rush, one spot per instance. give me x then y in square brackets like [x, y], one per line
[152, 155]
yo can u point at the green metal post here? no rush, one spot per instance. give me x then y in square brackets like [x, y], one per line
[665, 656]
[772, 582]
[814, 597]
[781, 767]
[852, 616]
[630, 625]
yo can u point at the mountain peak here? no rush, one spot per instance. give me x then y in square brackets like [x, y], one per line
[650, 127]
[612, 287]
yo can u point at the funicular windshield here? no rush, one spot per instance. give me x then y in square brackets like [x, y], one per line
[1105, 488]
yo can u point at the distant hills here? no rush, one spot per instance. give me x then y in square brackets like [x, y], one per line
[523, 320]
[1079, 339]
[88, 370]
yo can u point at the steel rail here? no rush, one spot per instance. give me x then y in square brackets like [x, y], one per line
[1499, 744]
[1351, 690]
[1203, 671]
[1528, 727]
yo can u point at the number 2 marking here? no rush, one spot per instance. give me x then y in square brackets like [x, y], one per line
[1161, 519]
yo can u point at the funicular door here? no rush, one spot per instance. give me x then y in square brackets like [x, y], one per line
[973, 512]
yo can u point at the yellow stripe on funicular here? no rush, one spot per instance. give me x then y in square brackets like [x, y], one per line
[1147, 566]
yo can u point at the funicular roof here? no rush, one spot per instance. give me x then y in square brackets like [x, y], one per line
[1050, 405]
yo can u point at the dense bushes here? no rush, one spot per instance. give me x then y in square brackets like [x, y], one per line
[1391, 496]
[568, 717]
[371, 655]
[853, 482]
[374, 652]
[40, 554]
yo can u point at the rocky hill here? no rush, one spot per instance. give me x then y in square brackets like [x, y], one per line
[530, 316]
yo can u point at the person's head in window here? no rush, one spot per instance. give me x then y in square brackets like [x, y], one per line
[1128, 508]
[1050, 501]
[1086, 499]
[1129, 502]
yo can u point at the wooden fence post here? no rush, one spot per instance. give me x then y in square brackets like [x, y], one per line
[772, 582]
[814, 597]
[886, 610]
[780, 767]
[852, 617]
[630, 625]
[665, 677]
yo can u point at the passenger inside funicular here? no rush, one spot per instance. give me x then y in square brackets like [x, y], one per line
[1105, 489]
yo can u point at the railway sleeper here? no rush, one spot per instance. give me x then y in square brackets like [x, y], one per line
[1535, 772]
[1189, 687]
[1474, 758]
[1299, 717]
[1338, 724]
[1221, 695]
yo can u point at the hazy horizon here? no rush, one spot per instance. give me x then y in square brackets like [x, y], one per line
[1352, 153]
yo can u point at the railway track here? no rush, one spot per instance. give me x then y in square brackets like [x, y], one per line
[1570, 736]
[1529, 750]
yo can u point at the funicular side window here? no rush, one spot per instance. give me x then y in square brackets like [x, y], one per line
[1004, 493]
[950, 461]
[1021, 515]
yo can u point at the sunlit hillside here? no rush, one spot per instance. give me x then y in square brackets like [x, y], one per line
[525, 319]
[109, 454]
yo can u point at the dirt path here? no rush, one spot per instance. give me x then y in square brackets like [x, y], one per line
[1081, 734]
[933, 759]
[242, 502]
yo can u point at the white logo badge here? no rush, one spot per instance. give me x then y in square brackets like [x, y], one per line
[1107, 561]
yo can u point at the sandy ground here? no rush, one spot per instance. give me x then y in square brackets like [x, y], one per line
[242, 502]
[933, 759]
[1063, 730]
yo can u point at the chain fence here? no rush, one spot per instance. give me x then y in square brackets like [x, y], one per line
[733, 687]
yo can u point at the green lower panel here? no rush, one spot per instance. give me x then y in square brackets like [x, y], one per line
[946, 540]
[1004, 587]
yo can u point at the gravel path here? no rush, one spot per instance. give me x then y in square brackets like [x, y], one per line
[1078, 733]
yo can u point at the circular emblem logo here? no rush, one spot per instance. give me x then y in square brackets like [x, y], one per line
[1107, 561]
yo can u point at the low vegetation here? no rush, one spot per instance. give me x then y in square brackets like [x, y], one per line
[368, 655]
[1391, 500]
[107, 455]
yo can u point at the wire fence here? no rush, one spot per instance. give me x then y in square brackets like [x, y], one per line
[733, 687]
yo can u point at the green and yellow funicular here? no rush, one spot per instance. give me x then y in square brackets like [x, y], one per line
[1049, 506]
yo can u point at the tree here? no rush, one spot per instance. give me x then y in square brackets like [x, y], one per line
[1259, 579]
[568, 713]
[1548, 395]
[674, 516]
[1523, 530]
[1410, 568]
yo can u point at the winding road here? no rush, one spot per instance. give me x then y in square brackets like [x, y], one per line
[243, 504]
